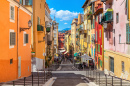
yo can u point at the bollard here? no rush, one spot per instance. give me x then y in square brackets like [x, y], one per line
[24, 80]
[121, 82]
[99, 79]
[32, 79]
[106, 79]
[112, 80]
[13, 83]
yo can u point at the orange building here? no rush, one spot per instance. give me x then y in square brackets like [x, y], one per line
[15, 50]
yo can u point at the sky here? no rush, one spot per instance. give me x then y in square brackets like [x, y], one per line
[65, 11]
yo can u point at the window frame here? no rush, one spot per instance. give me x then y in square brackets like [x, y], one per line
[12, 20]
[117, 18]
[111, 68]
[127, 33]
[25, 39]
[11, 46]
[123, 66]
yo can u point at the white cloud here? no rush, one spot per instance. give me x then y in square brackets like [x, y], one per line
[65, 23]
[52, 11]
[64, 14]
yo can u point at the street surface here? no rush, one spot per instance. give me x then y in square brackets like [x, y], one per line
[68, 79]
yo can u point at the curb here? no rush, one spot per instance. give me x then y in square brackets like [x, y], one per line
[90, 83]
[50, 81]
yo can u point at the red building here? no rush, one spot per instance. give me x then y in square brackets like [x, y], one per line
[61, 40]
[98, 35]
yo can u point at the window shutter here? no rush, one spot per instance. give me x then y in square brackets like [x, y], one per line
[12, 12]
[12, 38]
[26, 38]
[127, 33]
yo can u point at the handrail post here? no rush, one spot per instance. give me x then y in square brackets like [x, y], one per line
[13, 83]
[32, 79]
[99, 79]
[112, 80]
[24, 80]
[121, 81]
[38, 78]
[106, 79]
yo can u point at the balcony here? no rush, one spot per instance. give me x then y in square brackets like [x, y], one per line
[89, 15]
[48, 29]
[103, 0]
[108, 16]
[77, 43]
[40, 28]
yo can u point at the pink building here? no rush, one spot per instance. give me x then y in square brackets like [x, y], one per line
[116, 38]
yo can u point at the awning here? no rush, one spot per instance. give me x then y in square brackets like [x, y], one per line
[86, 57]
[66, 52]
[76, 54]
[62, 51]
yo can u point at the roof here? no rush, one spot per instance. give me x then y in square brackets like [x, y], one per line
[85, 3]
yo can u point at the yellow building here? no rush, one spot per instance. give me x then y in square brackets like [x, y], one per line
[39, 31]
[67, 40]
[73, 32]
[87, 24]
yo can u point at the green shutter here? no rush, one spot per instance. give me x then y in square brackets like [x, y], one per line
[101, 63]
[127, 33]
[99, 48]
[93, 23]
[127, 9]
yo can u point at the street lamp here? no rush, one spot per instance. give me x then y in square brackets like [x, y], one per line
[29, 26]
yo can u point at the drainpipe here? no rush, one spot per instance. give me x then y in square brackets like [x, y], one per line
[18, 34]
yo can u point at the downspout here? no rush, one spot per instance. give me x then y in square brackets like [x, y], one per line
[18, 35]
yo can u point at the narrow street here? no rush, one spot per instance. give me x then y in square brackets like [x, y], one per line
[68, 79]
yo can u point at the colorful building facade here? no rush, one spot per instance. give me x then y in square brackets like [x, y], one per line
[15, 57]
[99, 58]
[116, 38]
[73, 32]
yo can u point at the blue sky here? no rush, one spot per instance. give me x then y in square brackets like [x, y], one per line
[65, 11]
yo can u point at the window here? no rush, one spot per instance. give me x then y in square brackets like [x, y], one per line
[117, 17]
[12, 12]
[127, 33]
[123, 66]
[38, 20]
[93, 23]
[27, 2]
[25, 38]
[119, 38]
[100, 33]
[21, 1]
[112, 64]
[127, 10]
[12, 38]
[11, 61]
[99, 48]
[96, 36]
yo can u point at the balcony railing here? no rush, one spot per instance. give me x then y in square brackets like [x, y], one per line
[40, 28]
[48, 29]
[89, 15]
[108, 16]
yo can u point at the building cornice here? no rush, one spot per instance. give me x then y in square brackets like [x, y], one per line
[17, 4]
